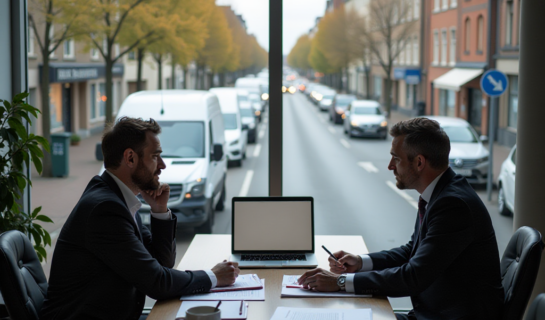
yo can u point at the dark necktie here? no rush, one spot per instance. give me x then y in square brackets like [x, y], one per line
[421, 208]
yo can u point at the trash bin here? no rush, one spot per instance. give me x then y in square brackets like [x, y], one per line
[59, 153]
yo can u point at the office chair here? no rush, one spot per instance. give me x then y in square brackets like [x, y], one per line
[537, 309]
[519, 267]
[22, 279]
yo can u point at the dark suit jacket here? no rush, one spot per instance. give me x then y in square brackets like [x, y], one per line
[451, 267]
[104, 265]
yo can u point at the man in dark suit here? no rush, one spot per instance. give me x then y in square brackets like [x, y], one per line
[450, 267]
[106, 261]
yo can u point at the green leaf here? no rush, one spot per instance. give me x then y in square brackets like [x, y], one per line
[27, 118]
[37, 163]
[20, 96]
[35, 212]
[37, 237]
[35, 151]
[7, 105]
[17, 160]
[43, 141]
[42, 254]
[21, 183]
[44, 218]
[18, 126]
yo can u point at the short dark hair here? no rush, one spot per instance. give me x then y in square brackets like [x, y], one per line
[126, 133]
[425, 137]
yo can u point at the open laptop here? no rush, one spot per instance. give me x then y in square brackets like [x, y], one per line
[273, 232]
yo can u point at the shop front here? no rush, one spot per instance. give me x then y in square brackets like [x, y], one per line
[407, 81]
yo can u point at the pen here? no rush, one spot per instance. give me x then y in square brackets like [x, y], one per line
[331, 254]
[217, 307]
[241, 304]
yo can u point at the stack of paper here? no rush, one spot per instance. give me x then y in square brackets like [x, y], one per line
[250, 295]
[285, 313]
[229, 309]
[243, 282]
[291, 289]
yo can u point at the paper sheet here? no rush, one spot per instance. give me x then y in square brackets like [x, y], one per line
[229, 309]
[305, 293]
[243, 281]
[249, 295]
[285, 313]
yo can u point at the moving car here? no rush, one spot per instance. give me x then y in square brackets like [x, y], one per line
[327, 98]
[468, 157]
[506, 184]
[249, 119]
[193, 141]
[236, 134]
[338, 107]
[364, 118]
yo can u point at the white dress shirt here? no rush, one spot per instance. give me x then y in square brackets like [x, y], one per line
[367, 262]
[134, 205]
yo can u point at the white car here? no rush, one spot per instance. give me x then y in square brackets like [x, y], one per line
[364, 118]
[506, 184]
[468, 157]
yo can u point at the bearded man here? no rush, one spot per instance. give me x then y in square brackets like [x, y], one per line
[450, 267]
[106, 262]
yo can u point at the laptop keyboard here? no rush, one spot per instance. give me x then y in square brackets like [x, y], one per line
[273, 257]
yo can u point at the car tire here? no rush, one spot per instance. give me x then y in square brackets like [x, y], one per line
[220, 206]
[206, 227]
[502, 206]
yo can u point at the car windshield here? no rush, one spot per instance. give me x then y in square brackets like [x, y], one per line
[230, 120]
[367, 110]
[329, 97]
[343, 102]
[460, 134]
[254, 97]
[264, 89]
[246, 113]
[182, 139]
[242, 98]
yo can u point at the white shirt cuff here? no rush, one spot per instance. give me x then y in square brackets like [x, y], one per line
[162, 216]
[349, 283]
[213, 278]
[366, 263]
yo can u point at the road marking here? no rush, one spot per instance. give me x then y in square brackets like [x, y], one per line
[368, 166]
[345, 143]
[257, 150]
[331, 129]
[246, 184]
[261, 133]
[403, 194]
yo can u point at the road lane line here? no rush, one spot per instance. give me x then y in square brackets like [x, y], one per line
[345, 143]
[257, 150]
[403, 194]
[331, 129]
[368, 166]
[246, 184]
[261, 133]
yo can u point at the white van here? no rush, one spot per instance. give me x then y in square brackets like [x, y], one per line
[254, 88]
[236, 134]
[192, 139]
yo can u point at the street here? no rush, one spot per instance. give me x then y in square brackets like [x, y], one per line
[354, 192]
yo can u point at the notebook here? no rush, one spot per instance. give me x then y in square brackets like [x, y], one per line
[273, 232]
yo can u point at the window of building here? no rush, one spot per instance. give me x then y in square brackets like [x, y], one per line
[68, 46]
[378, 87]
[445, 5]
[415, 50]
[94, 53]
[452, 47]
[117, 50]
[416, 9]
[408, 51]
[508, 23]
[409, 102]
[102, 99]
[435, 47]
[31, 42]
[55, 105]
[436, 6]
[51, 38]
[447, 101]
[105, 46]
[453, 3]
[467, 34]
[480, 34]
[132, 55]
[94, 101]
[444, 47]
[513, 101]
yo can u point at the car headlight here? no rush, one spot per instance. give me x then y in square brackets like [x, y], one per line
[481, 160]
[233, 143]
[284, 89]
[384, 123]
[196, 188]
[354, 123]
[265, 96]
[292, 90]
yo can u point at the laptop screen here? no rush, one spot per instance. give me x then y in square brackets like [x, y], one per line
[273, 224]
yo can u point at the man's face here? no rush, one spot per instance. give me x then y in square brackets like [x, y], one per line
[146, 175]
[404, 171]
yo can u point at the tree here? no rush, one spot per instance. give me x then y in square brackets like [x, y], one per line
[260, 57]
[53, 22]
[241, 39]
[391, 28]
[298, 56]
[357, 32]
[317, 59]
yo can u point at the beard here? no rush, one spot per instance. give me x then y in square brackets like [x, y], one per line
[407, 180]
[143, 179]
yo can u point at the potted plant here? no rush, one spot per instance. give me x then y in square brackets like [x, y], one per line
[19, 149]
[75, 139]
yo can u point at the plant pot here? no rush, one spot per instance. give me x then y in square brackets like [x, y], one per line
[74, 143]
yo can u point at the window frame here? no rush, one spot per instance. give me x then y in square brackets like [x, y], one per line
[71, 55]
[435, 47]
[452, 48]
[467, 35]
[480, 34]
[444, 47]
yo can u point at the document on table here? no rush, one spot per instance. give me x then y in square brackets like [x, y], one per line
[243, 282]
[229, 309]
[249, 295]
[291, 289]
[285, 313]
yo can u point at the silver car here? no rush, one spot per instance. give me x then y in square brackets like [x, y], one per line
[364, 118]
[506, 184]
[468, 157]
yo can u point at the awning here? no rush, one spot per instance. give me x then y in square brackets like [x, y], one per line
[456, 78]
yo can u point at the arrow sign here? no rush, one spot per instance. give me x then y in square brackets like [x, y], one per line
[494, 83]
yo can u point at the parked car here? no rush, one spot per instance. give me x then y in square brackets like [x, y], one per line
[247, 112]
[338, 107]
[255, 101]
[364, 118]
[468, 157]
[506, 184]
[193, 141]
[318, 93]
[236, 134]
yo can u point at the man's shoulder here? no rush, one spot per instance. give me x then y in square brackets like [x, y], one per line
[98, 191]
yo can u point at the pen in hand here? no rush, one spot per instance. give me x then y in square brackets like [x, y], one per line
[330, 254]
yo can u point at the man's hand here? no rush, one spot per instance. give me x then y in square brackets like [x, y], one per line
[319, 280]
[226, 273]
[348, 263]
[157, 199]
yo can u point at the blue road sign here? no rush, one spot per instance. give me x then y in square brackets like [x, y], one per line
[494, 83]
